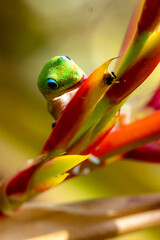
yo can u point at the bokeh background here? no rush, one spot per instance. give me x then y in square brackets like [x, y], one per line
[90, 32]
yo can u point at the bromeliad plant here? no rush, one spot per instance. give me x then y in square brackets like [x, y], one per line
[82, 134]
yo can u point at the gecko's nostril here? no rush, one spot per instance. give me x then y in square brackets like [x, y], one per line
[68, 57]
[65, 57]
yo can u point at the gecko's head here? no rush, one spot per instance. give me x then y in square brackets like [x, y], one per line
[59, 75]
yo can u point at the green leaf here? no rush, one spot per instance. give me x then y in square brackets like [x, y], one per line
[53, 172]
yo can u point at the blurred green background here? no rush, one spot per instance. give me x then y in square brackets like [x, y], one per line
[90, 32]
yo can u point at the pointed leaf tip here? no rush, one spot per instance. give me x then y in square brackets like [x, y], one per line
[54, 172]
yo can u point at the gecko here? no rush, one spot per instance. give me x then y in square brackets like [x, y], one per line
[59, 80]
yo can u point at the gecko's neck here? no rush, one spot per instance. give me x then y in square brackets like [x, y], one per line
[58, 104]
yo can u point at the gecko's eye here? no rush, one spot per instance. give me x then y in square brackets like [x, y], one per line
[52, 83]
[65, 57]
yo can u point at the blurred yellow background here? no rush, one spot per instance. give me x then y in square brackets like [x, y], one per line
[90, 32]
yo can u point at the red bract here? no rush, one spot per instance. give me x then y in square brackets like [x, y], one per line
[150, 16]
[78, 109]
[130, 136]
[20, 181]
[133, 76]
[147, 153]
[130, 31]
[138, 72]
[155, 100]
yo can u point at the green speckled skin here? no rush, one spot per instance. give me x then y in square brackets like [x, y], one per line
[65, 72]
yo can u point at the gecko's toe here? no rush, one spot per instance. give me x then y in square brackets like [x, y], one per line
[53, 124]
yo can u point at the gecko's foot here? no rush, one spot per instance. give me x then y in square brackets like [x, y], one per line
[109, 78]
[53, 124]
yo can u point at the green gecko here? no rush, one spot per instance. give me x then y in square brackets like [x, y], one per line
[58, 80]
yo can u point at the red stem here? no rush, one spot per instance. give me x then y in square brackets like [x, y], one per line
[130, 136]
[155, 100]
[147, 153]
[134, 75]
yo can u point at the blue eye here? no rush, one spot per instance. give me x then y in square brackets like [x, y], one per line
[65, 57]
[52, 83]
